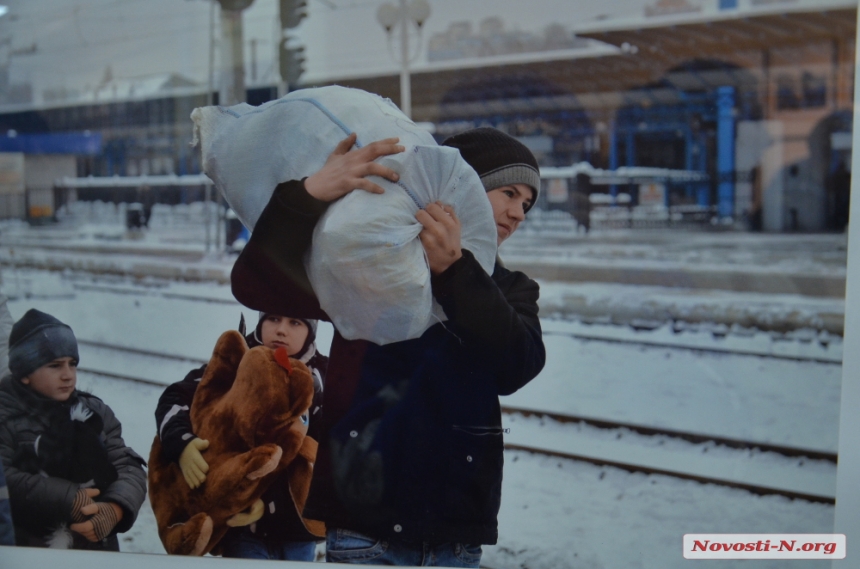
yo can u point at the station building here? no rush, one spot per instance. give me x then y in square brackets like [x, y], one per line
[757, 95]
[761, 99]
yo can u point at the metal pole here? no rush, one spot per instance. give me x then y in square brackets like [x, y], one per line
[405, 83]
[725, 152]
[219, 224]
[232, 64]
[278, 38]
[207, 216]
[211, 78]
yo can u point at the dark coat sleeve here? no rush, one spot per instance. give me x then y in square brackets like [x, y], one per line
[319, 363]
[269, 274]
[44, 500]
[173, 415]
[7, 529]
[499, 314]
[129, 489]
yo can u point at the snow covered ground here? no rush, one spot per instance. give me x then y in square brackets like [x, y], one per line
[144, 290]
[555, 512]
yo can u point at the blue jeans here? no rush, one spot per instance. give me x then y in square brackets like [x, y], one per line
[345, 546]
[245, 545]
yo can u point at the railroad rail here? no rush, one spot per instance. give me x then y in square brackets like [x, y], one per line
[832, 359]
[760, 490]
[630, 466]
[695, 438]
[653, 343]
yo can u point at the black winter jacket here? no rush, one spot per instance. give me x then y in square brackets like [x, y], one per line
[40, 503]
[172, 416]
[412, 443]
[7, 530]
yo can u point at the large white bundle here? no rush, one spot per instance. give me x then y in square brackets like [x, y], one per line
[366, 264]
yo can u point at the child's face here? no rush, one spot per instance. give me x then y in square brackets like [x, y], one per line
[278, 331]
[56, 379]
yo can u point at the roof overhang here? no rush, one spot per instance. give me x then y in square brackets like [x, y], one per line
[683, 38]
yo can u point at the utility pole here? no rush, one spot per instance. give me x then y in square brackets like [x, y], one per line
[405, 14]
[232, 88]
[291, 60]
[253, 60]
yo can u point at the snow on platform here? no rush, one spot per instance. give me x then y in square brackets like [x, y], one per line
[555, 512]
[804, 344]
[661, 453]
[751, 398]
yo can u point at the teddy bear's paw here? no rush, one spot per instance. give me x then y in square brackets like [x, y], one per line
[204, 537]
[189, 538]
[269, 466]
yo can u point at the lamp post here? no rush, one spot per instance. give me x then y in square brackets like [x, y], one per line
[404, 14]
[232, 57]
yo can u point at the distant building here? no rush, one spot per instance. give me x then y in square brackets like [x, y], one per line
[755, 93]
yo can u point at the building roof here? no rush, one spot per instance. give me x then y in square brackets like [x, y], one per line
[650, 67]
[730, 33]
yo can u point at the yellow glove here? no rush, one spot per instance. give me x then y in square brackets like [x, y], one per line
[194, 467]
[249, 517]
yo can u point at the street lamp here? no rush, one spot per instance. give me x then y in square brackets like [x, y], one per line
[233, 59]
[404, 14]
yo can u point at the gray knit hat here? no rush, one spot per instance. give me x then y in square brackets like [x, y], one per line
[498, 158]
[38, 339]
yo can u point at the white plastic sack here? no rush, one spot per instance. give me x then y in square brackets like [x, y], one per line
[366, 264]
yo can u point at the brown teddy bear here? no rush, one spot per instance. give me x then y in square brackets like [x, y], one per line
[248, 406]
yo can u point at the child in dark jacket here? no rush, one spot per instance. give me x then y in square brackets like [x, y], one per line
[7, 530]
[73, 483]
[273, 528]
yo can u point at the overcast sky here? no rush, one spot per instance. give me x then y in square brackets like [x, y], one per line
[54, 44]
[77, 40]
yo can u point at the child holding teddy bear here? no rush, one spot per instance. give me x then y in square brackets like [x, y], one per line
[272, 529]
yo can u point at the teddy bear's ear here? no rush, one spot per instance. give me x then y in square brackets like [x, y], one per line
[221, 370]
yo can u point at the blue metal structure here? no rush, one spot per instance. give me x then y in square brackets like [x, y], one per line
[725, 151]
[81, 143]
[676, 136]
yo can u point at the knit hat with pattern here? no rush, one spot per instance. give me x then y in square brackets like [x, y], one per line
[498, 158]
[38, 339]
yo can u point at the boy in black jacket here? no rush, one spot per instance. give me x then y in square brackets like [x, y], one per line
[73, 483]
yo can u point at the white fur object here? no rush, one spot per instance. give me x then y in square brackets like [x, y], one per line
[80, 413]
[366, 265]
[60, 538]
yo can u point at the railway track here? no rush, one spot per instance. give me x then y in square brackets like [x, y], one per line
[695, 438]
[758, 489]
[788, 478]
[627, 335]
[115, 359]
[170, 295]
[632, 337]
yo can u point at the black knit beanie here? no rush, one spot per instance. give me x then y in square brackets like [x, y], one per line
[38, 339]
[498, 158]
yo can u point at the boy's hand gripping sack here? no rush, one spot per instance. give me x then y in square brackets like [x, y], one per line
[366, 265]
